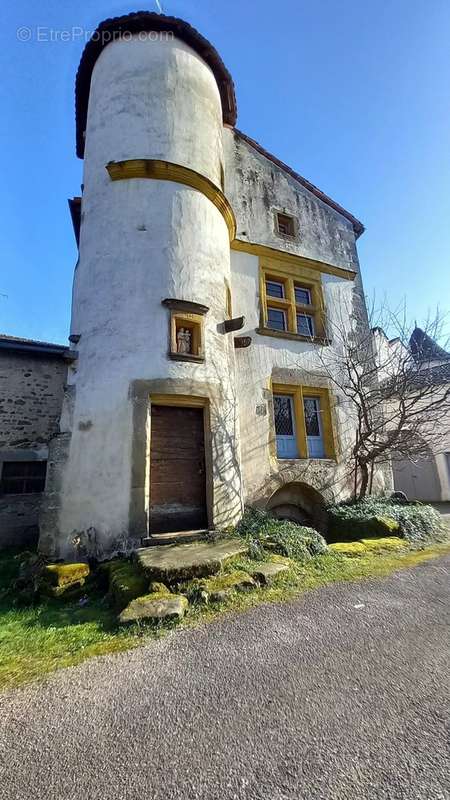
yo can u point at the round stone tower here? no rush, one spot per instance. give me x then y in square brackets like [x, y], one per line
[149, 430]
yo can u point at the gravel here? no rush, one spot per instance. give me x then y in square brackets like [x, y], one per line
[342, 694]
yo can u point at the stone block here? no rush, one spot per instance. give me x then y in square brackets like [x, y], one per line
[266, 572]
[154, 607]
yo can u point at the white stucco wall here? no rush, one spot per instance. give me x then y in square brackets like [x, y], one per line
[143, 241]
[257, 188]
[267, 358]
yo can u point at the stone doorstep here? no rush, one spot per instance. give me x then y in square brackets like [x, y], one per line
[172, 563]
[174, 537]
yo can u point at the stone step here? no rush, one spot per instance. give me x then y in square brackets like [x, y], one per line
[180, 562]
[174, 537]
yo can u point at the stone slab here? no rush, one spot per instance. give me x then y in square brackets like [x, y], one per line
[153, 607]
[267, 572]
[169, 563]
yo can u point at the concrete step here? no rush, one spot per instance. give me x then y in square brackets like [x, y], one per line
[170, 563]
[174, 537]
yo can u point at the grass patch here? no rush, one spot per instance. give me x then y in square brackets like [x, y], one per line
[60, 633]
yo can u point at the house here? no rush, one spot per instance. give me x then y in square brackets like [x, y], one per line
[32, 379]
[208, 277]
[425, 475]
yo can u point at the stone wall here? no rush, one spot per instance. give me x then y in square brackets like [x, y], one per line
[31, 391]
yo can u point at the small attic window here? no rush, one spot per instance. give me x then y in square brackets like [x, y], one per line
[285, 224]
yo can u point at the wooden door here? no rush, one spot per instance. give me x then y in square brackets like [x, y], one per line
[177, 470]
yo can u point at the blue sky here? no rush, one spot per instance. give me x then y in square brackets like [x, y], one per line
[353, 95]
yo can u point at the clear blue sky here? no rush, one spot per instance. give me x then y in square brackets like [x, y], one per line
[353, 94]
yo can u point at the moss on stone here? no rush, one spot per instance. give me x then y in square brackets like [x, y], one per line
[348, 548]
[387, 524]
[385, 543]
[364, 546]
[126, 582]
[64, 574]
[156, 606]
[158, 588]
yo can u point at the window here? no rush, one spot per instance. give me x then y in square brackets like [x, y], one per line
[305, 325]
[285, 224]
[313, 427]
[284, 426]
[303, 425]
[275, 289]
[288, 304]
[23, 477]
[276, 319]
[302, 296]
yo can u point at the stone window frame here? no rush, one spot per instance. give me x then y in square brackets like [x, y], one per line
[292, 276]
[298, 392]
[279, 212]
[190, 315]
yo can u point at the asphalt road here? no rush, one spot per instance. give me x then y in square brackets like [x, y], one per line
[342, 694]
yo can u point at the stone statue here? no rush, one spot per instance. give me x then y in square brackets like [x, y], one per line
[184, 338]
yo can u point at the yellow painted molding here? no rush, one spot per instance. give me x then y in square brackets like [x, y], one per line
[298, 392]
[291, 259]
[167, 171]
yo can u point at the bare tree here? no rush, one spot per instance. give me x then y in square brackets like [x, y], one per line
[395, 391]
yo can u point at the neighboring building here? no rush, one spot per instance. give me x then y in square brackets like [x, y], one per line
[32, 378]
[208, 280]
[425, 478]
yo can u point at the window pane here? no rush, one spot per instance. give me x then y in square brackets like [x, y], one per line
[305, 325]
[22, 477]
[285, 224]
[302, 296]
[274, 289]
[284, 425]
[312, 424]
[276, 319]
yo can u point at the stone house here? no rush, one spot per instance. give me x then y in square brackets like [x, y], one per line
[208, 277]
[32, 379]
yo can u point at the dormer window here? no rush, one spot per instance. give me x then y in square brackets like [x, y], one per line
[285, 224]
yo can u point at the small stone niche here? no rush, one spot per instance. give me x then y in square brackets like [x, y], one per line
[186, 335]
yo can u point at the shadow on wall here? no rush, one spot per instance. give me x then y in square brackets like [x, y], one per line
[226, 467]
[299, 503]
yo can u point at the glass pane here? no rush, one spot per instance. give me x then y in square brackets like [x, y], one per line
[276, 319]
[311, 407]
[302, 296]
[274, 289]
[13, 486]
[305, 325]
[284, 425]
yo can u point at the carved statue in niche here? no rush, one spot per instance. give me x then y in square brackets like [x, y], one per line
[184, 341]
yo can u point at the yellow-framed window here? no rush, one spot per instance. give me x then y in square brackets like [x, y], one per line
[292, 302]
[303, 422]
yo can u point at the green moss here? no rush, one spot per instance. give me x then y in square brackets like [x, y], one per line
[158, 588]
[377, 516]
[63, 574]
[364, 546]
[126, 582]
[232, 580]
[348, 548]
[385, 543]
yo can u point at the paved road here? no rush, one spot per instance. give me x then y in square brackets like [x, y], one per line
[314, 700]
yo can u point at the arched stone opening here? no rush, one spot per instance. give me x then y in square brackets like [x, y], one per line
[300, 503]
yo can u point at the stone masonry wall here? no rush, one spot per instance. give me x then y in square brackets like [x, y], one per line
[31, 392]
